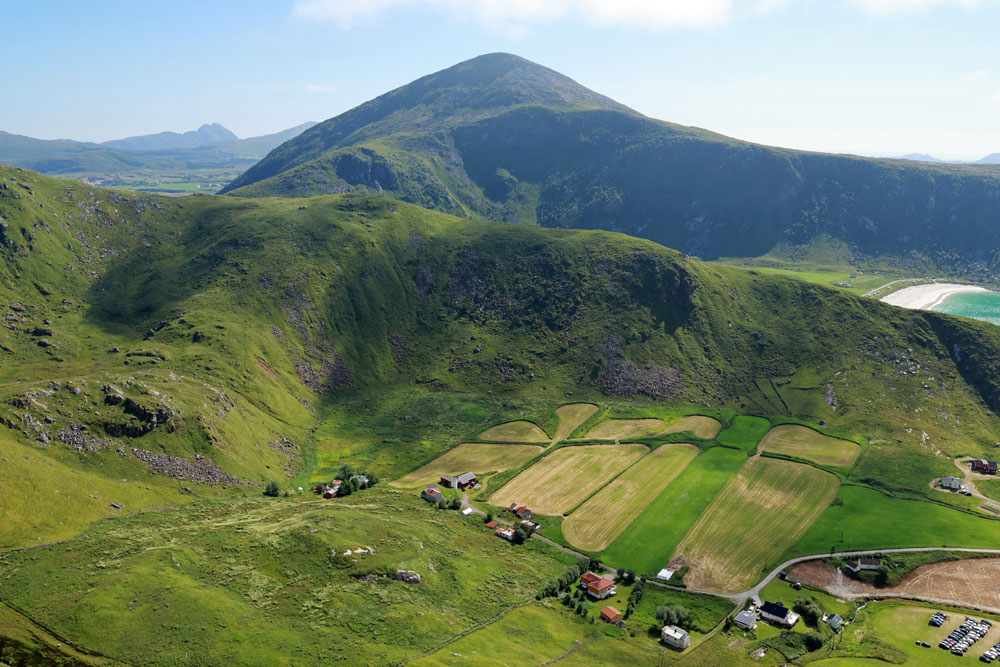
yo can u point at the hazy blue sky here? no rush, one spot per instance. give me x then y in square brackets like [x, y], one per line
[870, 76]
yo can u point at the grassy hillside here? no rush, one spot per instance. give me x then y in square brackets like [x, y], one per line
[161, 359]
[503, 139]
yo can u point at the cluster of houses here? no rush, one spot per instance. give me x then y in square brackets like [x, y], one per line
[332, 489]
[984, 467]
[598, 586]
[774, 613]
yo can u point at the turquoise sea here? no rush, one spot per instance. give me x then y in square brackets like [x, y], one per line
[977, 305]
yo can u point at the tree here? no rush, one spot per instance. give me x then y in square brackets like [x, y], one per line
[319, 488]
[814, 641]
[456, 504]
[674, 614]
[272, 490]
[442, 504]
[810, 610]
[519, 536]
[629, 577]
[489, 517]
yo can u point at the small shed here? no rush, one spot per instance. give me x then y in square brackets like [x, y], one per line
[664, 574]
[492, 524]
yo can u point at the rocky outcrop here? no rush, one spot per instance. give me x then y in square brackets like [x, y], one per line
[406, 576]
[202, 470]
[621, 377]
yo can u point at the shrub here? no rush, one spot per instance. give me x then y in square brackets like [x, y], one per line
[814, 641]
[272, 490]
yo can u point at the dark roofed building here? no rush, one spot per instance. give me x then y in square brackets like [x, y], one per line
[835, 622]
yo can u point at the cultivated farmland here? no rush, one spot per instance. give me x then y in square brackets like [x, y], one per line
[745, 432]
[519, 431]
[602, 518]
[471, 457]
[571, 416]
[759, 514]
[564, 478]
[647, 544]
[619, 429]
[805, 443]
[702, 427]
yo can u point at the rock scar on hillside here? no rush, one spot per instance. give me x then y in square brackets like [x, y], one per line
[621, 377]
[202, 471]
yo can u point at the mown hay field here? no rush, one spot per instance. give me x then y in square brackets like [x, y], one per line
[602, 518]
[564, 478]
[806, 443]
[758, 515]
[649, 542]
[571, 416]
[470, 457]
[519, 431]
[702, 427]
[619, 429]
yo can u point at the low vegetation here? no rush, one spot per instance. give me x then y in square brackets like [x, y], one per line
[806, 443]
[470, 457]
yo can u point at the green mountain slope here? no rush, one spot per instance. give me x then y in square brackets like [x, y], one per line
[210, 329]
[526, 151]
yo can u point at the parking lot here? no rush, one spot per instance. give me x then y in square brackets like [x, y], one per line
[971, 636]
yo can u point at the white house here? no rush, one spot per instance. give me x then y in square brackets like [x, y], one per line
[865, 563]
[951, 483]
[675, 637]
[777, 613]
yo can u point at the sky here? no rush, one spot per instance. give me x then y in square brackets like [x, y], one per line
[874, 77]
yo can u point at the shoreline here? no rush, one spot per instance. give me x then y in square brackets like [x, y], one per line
[927, 297]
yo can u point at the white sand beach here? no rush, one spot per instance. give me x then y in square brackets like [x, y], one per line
[925, 297]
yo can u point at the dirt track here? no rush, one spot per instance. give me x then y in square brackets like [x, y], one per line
[971, 583]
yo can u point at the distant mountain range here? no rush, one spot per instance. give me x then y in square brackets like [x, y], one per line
[209, 146]
[502, 138]
[993, 158]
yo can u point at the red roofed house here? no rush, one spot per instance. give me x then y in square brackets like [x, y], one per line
[506, 533]
[611, 615]
[431, 495]
[330, 490]
[492, 524]
[598, 586]
[521, 511]
[986, 467]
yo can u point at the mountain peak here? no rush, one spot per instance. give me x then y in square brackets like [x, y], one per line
[484, 86]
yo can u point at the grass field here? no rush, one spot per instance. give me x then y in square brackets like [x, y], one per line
[702, 427]
[649, 542]
[602, 518]
[619, 429]
[759, 514]
[868, 519]
[535, 634]
[745, 432]
[470, 457]
[519, 431]
[564, 478]
[571, 416]
[251, 581]
[805, 443]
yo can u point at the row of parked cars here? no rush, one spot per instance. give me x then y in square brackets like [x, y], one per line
[938, 619]
[991, 654]
[964, 636]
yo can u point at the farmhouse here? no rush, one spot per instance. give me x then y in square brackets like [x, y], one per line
[330, 490]
[865, 563]
[431, 495]
[505, 533]
[985, 467]
[745, 620]
[611, 615]
[835, 622]
[675, 637]
[462, 482]
[775, 612]
[951, 483]
[521, 511]
[598, 586]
